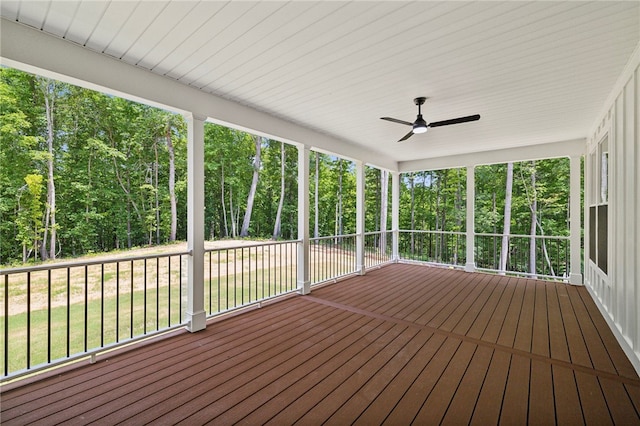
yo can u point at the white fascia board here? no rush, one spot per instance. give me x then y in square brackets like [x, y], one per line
[574, 147]
[34, 51]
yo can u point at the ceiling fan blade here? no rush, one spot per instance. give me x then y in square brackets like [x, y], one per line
[395, 120]
[455, 121]
[407, 136]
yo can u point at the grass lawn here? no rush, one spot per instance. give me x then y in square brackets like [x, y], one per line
[83, 308]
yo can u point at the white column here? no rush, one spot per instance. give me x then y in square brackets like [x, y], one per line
[471, 235]
[575, 275]
[395, 213]
[360, 206]
[196, 315]
[304, 284]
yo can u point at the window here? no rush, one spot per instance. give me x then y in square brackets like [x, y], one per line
[598, 205]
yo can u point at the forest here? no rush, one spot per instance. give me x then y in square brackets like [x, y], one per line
[84, 172]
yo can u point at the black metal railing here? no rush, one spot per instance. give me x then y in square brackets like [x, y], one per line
[241, 275]
[55, 312]
[378, 248]
[550, 258]
[441, 247]
[332, 257]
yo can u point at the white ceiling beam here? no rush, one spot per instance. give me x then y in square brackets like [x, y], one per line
[34, 51]
[524, 153]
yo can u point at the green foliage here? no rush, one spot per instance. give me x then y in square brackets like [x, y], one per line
[112, 176]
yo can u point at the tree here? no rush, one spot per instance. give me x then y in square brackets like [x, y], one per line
[49, 91]
[172, 178]
[276, 228]
[244, 232]
[384, 193]
[506, 229]
[29, 217]
[316, 179]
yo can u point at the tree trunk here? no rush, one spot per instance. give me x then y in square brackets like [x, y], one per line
[244, 232]
[438, 225]
[413, 210]
[458, 207]
[129, 204]
[233, 219]
[276, 228]
[49, 102]
[223, 201]
[506, 229]
[384, 200]
[172, 185]
[156, 185]
[316, 231]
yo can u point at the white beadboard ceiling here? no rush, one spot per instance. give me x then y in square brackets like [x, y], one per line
[537, 72]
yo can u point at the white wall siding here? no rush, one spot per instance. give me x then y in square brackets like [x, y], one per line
[617, 292]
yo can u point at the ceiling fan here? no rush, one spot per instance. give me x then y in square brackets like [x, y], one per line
[420, 126]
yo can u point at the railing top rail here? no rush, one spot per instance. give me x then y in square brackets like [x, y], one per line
[241, 246]
[332, 237]
[549, 237]
[63, 265]
[423, 231]
[387, 231]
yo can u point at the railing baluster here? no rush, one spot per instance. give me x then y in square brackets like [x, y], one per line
[210, 279]
[68, 312]
[117, 301]
[158, 294]
[86, 307]
[169, 291]
[49, 316]
[218, 282]
[131, 303]
[6, 325]
[102, 305]
[28, 320]
[144, 284]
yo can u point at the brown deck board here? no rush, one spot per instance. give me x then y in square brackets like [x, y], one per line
[515, 403]
[557, 337]
[464, 401]
[404, 343]
[509, 326]
[435, 407]
[357, 401]
[567, 399]
[594, 405]
[619, 359]
[494, 326]
[380, 408]
[482, 321]
[411, 403]
[597, 351]
[310, 373]
[524, 334]
[577, 347]
[489, 404]
[540, 342]
[541, 402]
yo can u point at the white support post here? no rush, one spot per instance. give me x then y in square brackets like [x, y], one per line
[395, 214]
[360, 217]
[575, 274]
[304, 283]
[470, 266]
[196, 315]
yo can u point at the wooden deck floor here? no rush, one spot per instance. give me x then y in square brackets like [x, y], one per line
[403, 344]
